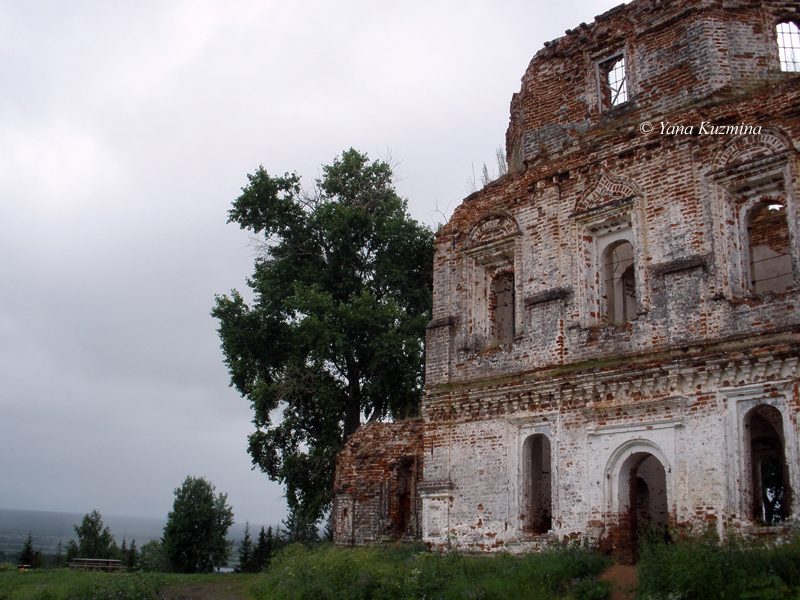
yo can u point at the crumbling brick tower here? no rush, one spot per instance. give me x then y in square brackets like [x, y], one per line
[614, 342]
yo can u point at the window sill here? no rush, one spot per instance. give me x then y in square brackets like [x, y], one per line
[612, 112]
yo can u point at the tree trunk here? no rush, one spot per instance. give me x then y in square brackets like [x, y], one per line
[352, 416]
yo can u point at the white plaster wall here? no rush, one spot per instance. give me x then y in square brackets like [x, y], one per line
[478, 460]
[699, 441]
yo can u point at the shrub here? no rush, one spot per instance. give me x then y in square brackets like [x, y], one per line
[153, 558]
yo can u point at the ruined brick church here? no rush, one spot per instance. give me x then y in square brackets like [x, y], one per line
[616, 321]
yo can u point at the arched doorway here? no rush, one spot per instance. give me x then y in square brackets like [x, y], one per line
[647, 487]
[768, 473]
[640, 500]
[537, 504]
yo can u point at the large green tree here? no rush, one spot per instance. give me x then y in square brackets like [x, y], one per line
[194, 537]
[335, 332]
[94, 539]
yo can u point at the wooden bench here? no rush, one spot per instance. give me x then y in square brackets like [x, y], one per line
[96, 564]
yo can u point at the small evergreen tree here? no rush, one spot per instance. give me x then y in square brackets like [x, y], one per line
[133, 556]
[262, 555]
[246, 562]
[300, 530]
[28, 556]
[124, 551]
[58, 557]
[280, 540]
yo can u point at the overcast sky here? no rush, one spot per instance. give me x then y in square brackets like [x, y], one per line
[126, 131]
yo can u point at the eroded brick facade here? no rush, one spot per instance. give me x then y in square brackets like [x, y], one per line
[615, 328]
[375, 491]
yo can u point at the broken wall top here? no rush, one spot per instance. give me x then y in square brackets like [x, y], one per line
[677, 53]
[372, 454]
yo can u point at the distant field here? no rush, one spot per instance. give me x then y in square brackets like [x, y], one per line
[48, 528]
[60, 525]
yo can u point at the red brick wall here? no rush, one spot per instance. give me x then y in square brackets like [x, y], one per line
[375, 491]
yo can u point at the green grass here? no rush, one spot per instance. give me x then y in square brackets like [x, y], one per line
[400, 572]
[64, 584]
[704, 568]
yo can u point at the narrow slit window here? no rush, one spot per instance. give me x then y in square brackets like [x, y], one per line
[788, 46]
[613, 82]
[501, 309]
[770, 256]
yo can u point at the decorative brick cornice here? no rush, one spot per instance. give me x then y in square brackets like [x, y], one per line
[614, 386]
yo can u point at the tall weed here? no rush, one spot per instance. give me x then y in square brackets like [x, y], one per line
[400, 572]
[703, 567]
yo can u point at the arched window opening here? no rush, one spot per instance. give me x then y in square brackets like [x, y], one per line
[501, 308]
[769, 474]
[620, 282]
[788, 37]
[537, 488]
[770, 256]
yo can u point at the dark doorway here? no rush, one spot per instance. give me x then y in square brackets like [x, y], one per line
[769, 473]
[537, 484]
[643, 503]
[403, 494]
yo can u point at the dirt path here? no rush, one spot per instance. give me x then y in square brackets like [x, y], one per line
[211, 590]
[623, 578]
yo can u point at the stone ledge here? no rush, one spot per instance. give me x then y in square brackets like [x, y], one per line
[443, 322]
[681, 264]
[548, 296]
